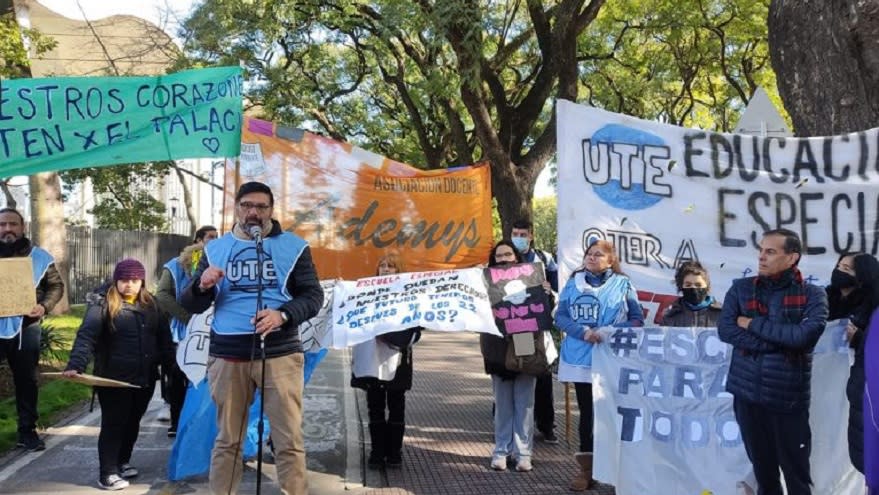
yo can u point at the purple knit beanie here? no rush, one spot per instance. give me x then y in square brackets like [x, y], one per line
[129, 269]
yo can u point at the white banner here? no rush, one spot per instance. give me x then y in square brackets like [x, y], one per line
[664, 419]
[448, 300]
[664, 195]
[315, 333]
[192, 351]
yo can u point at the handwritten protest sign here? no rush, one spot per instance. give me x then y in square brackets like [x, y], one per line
[17, 286]
[72, 122]
[662, 414]
[448, 300]
[518, 301]
[345, 200]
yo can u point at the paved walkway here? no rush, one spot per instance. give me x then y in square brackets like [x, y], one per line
[450, 435]
[448, 443]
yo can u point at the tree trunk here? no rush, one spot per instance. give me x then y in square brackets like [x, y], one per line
[10, 199]
[187, 201]
[47, 225]
[826, 59]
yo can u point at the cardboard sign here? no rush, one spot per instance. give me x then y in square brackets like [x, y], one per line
[17, 286]
[518, 300]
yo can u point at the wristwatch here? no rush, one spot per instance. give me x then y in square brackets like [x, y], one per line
[284, 316]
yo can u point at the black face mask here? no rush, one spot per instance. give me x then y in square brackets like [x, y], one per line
[842, 279]
[694, 295]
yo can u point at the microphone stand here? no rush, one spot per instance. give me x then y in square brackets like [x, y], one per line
[262, 379]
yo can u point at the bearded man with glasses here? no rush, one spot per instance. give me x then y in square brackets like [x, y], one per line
[227, 276]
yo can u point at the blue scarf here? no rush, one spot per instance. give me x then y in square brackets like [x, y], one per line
[699, 307]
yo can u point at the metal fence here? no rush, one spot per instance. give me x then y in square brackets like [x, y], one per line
[94, 252]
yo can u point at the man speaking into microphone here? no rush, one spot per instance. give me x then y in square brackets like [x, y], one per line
[229, 276]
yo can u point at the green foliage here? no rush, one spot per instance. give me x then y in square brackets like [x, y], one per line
[694, 63]
[545, 223]
[14, 60]
[124, 195]
[53, 345]
[452, 82]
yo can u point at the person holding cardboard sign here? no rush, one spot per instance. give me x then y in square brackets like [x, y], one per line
[23, 352]
[597, 295]
[513, 389]
[129, 337]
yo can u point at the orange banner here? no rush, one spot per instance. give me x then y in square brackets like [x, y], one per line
[354, 206]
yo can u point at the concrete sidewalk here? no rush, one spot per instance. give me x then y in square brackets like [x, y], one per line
[449, 439]
[450, 433]
[69, 465]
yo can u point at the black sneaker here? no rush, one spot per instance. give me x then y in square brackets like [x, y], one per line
[30, 441]
[128, 471]
[549, 437]
[172, 432]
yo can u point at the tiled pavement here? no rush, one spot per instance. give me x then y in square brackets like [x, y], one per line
[449, 435]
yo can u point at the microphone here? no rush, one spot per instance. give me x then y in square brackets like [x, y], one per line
[255, 232]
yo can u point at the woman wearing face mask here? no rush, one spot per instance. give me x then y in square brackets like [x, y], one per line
[513, 391]
[386, 398]
[695, 307]
[853, 293]
[129, 337]
[597, 295]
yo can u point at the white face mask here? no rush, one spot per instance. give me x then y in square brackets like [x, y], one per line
[521, 244]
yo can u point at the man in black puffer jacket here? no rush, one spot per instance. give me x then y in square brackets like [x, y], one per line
[773, 321]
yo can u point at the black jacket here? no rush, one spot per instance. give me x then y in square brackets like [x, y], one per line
[401, 341]
[761, 370]
[679, 315]
[130, 350]
[855, 307]
[51, 287]
[302, 284]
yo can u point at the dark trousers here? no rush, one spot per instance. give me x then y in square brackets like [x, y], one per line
[121, 412]
[379, 398]
[23, 354]
[584, 403]
[776, 440]
[175, 392]
[544, 406]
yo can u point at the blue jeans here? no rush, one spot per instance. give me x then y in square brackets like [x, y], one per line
[513, 415]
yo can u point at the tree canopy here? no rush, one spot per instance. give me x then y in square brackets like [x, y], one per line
[439, 83]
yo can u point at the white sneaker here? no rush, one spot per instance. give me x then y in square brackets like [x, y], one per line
[524, 465]
[165, 413]
[499, 463]
[112, 482]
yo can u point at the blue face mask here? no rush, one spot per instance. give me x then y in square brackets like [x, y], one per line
[521, 244]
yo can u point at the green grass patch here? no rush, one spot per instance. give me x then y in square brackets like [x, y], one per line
[56, 399]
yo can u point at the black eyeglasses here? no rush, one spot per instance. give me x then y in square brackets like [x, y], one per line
[260, 207]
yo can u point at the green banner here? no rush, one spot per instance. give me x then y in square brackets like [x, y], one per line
[73, 122]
